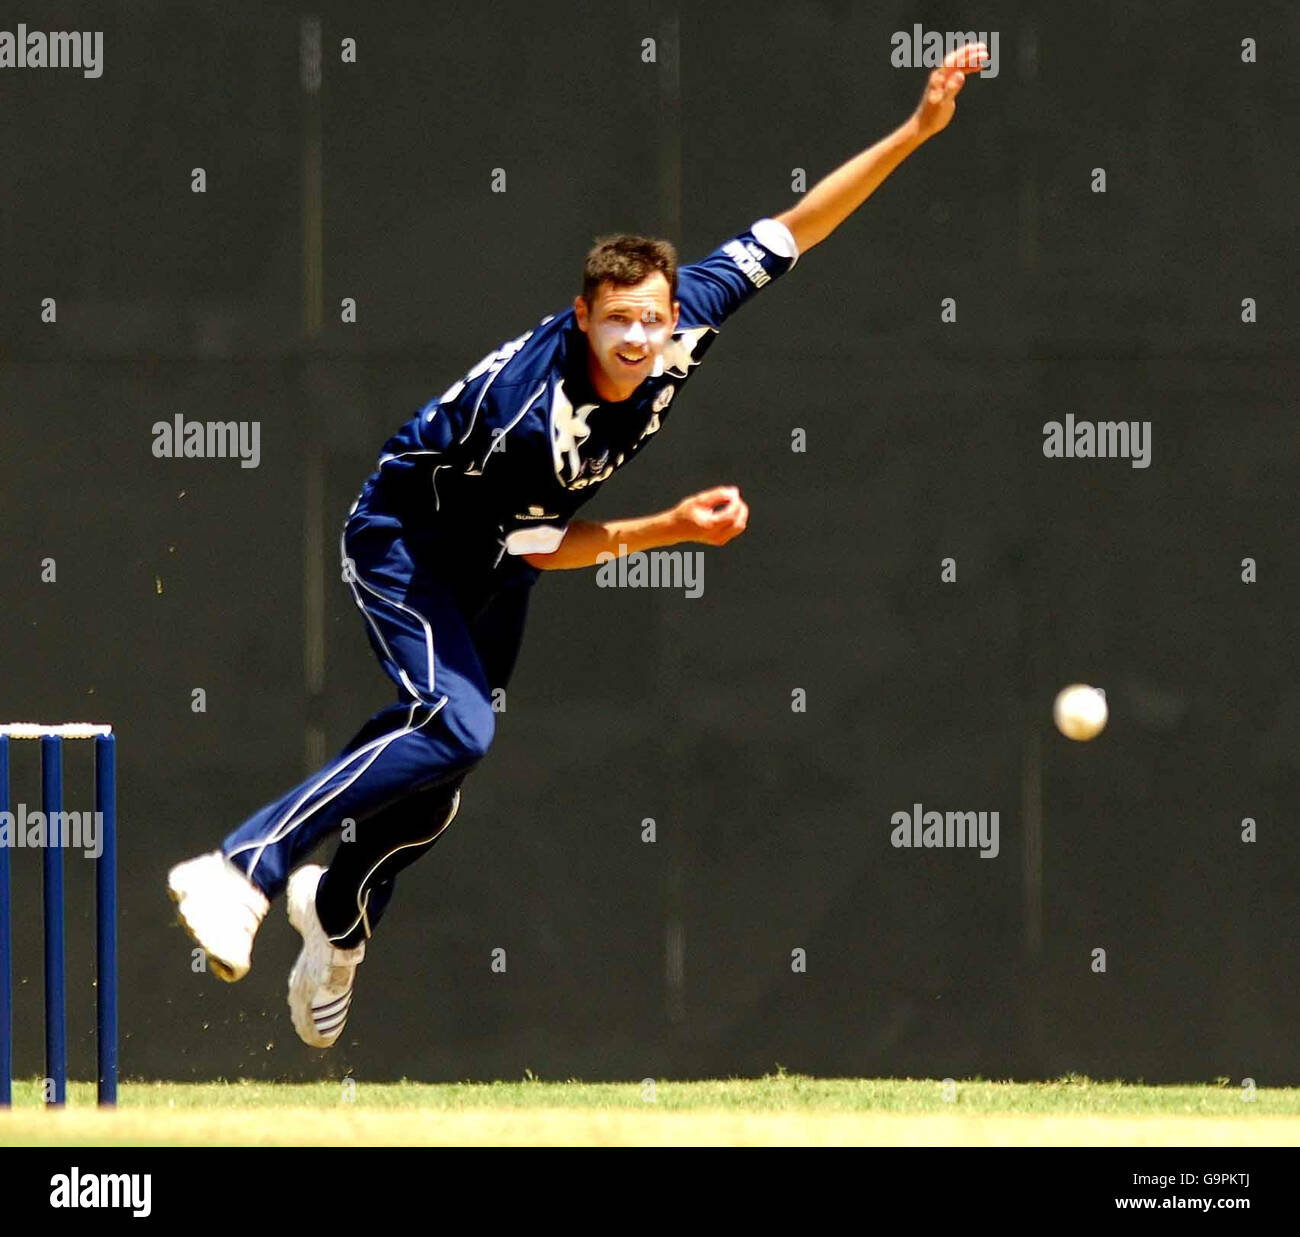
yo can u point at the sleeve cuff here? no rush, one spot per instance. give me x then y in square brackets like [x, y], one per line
[542, 539]
[776, 238]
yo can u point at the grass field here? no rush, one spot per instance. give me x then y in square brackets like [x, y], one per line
[777, 1110]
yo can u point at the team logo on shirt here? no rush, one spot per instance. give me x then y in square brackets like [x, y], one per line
[685, 350]
[569, 430]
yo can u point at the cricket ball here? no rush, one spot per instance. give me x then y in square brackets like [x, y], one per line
[1080, 711]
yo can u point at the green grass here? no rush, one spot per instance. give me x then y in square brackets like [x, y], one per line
[777, 1109]
[773, 1092]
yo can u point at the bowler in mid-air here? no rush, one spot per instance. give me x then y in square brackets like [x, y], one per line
[472, 499]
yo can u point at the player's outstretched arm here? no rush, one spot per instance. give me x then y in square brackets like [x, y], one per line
[832, 200]
[713, 517]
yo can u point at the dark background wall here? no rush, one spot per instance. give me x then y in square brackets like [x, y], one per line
[924, 442]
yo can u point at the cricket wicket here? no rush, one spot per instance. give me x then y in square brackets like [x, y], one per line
[56, 1045]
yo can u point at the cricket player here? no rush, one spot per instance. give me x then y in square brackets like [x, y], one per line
[472, 499]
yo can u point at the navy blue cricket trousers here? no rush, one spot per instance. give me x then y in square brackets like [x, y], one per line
[398, 780]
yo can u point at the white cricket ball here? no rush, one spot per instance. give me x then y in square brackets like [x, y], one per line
[1080, 711]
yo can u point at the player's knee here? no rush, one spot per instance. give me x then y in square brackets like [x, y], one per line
[474, 726]
[478, 744]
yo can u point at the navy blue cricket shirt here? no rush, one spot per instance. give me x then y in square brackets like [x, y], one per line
[523, 440]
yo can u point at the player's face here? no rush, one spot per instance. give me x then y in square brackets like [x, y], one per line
[627, 329]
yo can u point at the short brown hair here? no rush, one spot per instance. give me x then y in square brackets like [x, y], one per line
[626, 259]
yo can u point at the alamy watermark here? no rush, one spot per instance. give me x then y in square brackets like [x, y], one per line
[83, 831]
[213, 440]
[920, 829]
[925, 49]
[59, 49]
[131, 1192]
[1100, 440]
[681, 569]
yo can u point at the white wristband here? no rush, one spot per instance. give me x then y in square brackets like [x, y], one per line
[543, 539]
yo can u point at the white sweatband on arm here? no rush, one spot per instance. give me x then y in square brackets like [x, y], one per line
[777, 238]
[543, 539]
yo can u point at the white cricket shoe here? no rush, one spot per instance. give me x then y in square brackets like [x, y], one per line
[320, 984]
[221, 909]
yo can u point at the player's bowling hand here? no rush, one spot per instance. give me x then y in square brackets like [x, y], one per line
[939, 98]
[713, 516]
